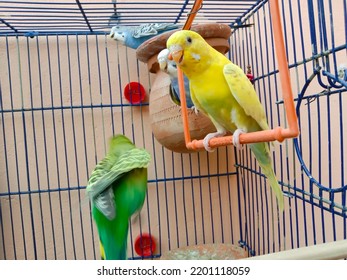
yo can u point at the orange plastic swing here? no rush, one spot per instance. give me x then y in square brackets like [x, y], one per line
[277, 133]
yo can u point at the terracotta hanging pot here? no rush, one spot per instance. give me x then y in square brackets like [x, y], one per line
[165, 115]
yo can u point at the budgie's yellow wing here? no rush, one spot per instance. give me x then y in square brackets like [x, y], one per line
[244, 93]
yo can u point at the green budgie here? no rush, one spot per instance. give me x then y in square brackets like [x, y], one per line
[117, 190]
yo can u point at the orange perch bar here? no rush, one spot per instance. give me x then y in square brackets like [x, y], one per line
[196, 7]
[287, 93]
[277, 133]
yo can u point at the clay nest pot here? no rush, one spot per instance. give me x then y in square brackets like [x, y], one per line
[165, 115]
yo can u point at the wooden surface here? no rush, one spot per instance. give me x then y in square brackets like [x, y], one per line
[326, 251]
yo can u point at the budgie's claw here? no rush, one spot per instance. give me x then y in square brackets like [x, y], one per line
[208, 137]
[196, 111]
[236, 138]
[205, 141]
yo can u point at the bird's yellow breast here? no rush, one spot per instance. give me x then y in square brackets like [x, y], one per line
[213, 94]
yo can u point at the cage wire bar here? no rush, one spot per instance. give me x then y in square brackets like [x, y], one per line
[61, 98]
[47, 17]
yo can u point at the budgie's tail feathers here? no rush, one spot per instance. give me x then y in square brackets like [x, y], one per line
[262, 154]
[270, 174]
[114, 240]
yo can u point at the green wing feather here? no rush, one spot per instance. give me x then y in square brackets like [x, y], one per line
[111, 168]
[117, 188]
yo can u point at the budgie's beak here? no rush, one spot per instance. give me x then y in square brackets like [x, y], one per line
[176, 54]
[162, 59]
[162, 65]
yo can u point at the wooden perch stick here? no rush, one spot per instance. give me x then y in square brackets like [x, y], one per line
[326, 251]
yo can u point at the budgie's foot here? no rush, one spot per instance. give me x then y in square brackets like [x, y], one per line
[195, 110]
[208, 137]
[236, 138]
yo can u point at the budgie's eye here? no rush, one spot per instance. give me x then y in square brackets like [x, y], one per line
[189, 40]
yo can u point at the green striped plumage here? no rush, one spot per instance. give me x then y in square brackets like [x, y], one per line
[117, 189]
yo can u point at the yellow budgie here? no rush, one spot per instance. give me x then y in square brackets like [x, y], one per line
[222, 91]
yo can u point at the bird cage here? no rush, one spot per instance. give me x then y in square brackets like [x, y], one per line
[62, 84]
